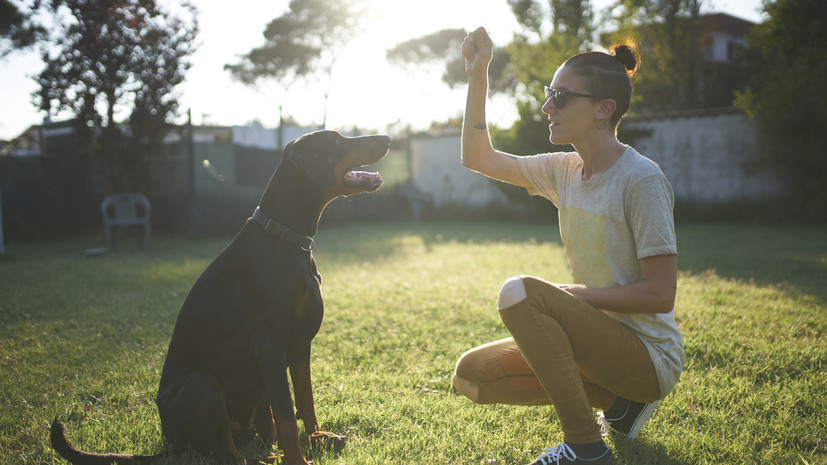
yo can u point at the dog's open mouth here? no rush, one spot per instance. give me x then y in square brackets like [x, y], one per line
[363, 179]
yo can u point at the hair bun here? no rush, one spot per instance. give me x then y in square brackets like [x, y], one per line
[628, 56]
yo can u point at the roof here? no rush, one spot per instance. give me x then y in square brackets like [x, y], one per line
[693, 113]
[725, 23]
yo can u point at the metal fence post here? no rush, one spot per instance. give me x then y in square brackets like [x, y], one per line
[2, 247]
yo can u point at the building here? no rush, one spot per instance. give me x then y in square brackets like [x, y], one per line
[704, 60]
[723, 37]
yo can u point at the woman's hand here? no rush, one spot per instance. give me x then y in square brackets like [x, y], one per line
[478, 49]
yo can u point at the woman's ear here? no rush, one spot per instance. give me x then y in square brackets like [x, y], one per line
[606, 109]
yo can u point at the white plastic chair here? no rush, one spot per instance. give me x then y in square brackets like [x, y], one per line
[126, 210]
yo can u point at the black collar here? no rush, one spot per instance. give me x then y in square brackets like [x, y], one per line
[282, 232]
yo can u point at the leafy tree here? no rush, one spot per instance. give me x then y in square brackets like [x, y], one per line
[438, 48]
[115, 56]
[302, 43]
[535, 54]
[533, 65]
[530, 14]
[17, 28]
[667, 31]
[572, 21]
[788, 98]
[573, 18]
[441, 48]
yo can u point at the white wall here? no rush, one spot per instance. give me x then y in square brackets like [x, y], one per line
[257, 136]
[437, 169]
[708, 158]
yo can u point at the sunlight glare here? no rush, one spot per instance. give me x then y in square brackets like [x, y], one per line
[369, 92]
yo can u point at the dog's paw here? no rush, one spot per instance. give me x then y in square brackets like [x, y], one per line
[326, 439]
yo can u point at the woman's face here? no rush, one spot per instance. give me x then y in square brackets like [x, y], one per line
[577, 117]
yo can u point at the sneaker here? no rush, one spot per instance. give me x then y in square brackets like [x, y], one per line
[626, 420]
[562, 454]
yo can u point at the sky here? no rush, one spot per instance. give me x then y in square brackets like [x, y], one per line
[365, 91]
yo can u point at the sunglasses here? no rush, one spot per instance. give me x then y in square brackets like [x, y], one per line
[560, 96]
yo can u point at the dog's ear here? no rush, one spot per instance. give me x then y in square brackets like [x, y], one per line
[308, 159]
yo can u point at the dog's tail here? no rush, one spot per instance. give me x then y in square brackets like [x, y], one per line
[76, 457]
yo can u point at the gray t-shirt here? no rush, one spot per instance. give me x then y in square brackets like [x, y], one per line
[607, 225]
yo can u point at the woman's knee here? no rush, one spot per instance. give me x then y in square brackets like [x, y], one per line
[481, 366]
[466, 375]
[517, 288]
[512, 292]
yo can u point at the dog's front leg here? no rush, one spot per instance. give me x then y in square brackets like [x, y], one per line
[303, 390]
[273, 366]
[305, 406]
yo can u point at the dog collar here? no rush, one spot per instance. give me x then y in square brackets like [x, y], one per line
[282, 232]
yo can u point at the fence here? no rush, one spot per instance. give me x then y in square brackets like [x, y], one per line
[59, 195]
[707, 155]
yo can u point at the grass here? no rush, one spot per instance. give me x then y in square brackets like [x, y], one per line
[84, 339]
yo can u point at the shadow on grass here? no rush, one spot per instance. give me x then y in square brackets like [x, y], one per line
[766, 255]
[640, 452]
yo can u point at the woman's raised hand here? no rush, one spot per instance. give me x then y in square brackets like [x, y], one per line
[478, 49]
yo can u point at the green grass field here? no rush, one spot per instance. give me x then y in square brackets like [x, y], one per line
[84, 339]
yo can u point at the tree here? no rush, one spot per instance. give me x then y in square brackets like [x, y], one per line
[788, 98]
[441, 48]
[573, 18]
[115, 56]
[437, 48]
[671, 35]
[533, 65]
[302, 43]
[668, 33]
[17, 29]
[535, 54]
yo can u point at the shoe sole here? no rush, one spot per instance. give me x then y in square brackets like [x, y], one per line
[641, 419]
[637, 425]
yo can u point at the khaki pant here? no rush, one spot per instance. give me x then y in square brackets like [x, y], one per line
[563, 352]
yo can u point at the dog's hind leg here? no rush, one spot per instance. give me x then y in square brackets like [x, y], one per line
[264, 424]
[194, 416]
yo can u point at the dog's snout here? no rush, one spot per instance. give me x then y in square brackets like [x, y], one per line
[379, 141]
[383, 143]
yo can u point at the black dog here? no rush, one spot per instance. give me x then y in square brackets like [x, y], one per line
[252, 315]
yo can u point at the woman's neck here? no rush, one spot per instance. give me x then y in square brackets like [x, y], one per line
[599, 154]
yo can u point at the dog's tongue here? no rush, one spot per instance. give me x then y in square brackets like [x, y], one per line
[358, 176]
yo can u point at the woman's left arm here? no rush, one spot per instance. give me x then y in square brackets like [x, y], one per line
[655, 293]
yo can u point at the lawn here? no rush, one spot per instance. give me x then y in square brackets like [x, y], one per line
[84, 339]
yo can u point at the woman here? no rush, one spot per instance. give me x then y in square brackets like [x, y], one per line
[610, 340]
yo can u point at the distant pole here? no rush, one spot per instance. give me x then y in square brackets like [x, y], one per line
[324, 118]
[280, 133]
[327, 93]
[191, 163]
[2, 247]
